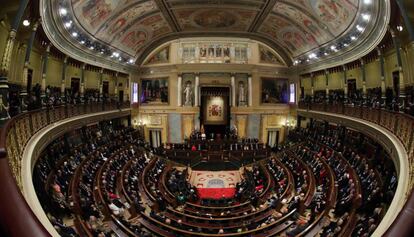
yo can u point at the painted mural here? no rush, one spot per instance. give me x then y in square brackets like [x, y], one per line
[302, 25]
[133, 39]
[214, 19]
[126, 24]
[298, 26]
[162, 56]
[274, 91]
[296, 40]
[125, 20]
[94, 13]
[154, 91]
[267, 56]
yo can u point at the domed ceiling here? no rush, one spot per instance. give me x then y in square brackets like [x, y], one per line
[133, 27]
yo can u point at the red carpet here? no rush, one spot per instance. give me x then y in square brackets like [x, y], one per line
[216, 193]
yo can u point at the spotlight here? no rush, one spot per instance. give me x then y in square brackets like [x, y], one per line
[63, 11]
[360, 28]
[74, 34]
[68, 24]
[26, 23]
[366, 17]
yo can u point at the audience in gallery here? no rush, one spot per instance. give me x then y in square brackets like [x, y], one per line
[373, 99]
[51, 98]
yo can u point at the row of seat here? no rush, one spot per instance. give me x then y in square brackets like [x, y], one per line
[117, 187]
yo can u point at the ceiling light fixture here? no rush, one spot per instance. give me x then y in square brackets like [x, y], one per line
[74, 34]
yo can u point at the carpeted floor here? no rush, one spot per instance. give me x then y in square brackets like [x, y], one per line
[215, 184]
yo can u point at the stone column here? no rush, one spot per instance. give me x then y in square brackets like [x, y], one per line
[116, 87]
[23, 91]
[364, 86]
[312, 87]
[382, 70]
[127, 90]
[100, 84]
[196, 90]
[44, 70]
[407, 21]
[63, 82]
[345, 82]
[5, 62]
[397, 45]
[179, 89]
[233, 90]
[197, 54]
[250, 88]
[327, 84]
[82, 83]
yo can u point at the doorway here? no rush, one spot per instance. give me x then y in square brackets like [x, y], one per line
[155, 137]
[29, 80]
[75, 85]
[105, 88]
[396, 83]
[273, 138]
[352, 88]
[121, 96]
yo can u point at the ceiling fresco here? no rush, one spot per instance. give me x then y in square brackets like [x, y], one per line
[303, 25]
[294, 27]
[214, 19]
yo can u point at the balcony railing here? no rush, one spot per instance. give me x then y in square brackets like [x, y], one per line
[16, 132]
[402, 126]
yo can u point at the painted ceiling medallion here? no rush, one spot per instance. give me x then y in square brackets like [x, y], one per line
[213, 18]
